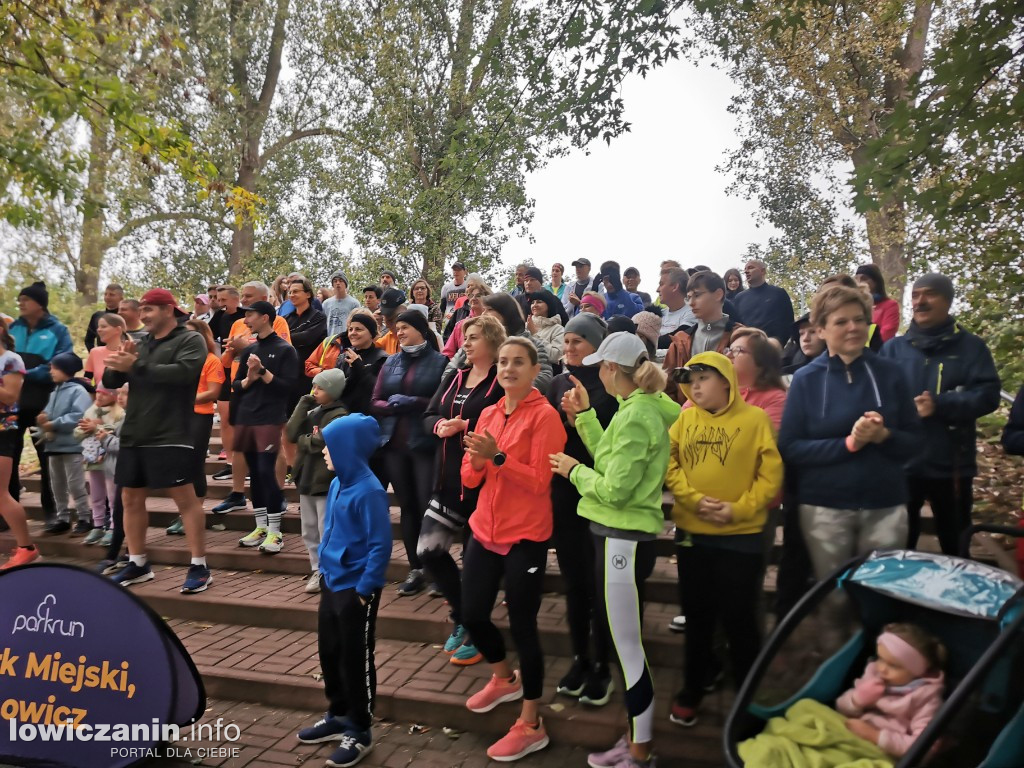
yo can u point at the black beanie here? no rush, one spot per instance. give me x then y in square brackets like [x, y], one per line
[416, 319]
[38, 293]
[67, 363]
[367, 321]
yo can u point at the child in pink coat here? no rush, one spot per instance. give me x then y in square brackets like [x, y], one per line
[899, 692]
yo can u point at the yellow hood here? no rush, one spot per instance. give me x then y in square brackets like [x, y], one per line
[723, 365]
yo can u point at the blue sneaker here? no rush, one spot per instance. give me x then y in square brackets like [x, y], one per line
[328, 728]
[133, 574]
[466, 655]
[355, 745]
[233, 503]
[197, 580]
[456, 639]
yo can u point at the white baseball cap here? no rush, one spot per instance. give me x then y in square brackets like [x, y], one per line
[623, 348]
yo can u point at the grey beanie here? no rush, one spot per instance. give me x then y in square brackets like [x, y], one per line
[941, 284]
[340, 274]
[588, 326]
[331, 381]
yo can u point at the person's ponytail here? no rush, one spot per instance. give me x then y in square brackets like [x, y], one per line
[647, 376]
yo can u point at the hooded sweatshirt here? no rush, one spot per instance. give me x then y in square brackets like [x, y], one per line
[65, 408]
[729, 455]
[356, 546]
[515, 501]
[623, 489]
[824, 402]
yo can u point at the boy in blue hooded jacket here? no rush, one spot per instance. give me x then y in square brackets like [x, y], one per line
[354, 554]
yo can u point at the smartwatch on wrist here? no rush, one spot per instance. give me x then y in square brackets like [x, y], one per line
[498, 459]
[261, 372]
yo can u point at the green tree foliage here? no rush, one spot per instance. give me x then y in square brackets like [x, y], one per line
[820, 79]
[451, 103]
[956, 155]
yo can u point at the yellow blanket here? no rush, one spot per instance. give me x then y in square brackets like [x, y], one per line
[811, 735]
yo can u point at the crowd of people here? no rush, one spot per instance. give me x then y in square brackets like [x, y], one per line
[551, 414]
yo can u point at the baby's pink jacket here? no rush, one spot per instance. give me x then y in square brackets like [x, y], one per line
[901, 715]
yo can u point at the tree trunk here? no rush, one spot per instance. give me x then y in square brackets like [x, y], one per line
[887, 236]
[243, 234]
[94, 242]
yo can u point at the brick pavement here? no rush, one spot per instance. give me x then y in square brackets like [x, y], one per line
[267, 740]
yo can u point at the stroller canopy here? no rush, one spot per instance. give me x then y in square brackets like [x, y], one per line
[940, 582]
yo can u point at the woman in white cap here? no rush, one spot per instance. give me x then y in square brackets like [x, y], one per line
[621, 496]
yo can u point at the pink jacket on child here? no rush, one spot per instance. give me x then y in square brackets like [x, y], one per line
[901, 714]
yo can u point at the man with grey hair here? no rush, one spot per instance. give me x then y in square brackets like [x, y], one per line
[287, 307]
[765, 306]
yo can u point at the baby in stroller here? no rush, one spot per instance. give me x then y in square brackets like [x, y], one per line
[900, 692]
[878, 719]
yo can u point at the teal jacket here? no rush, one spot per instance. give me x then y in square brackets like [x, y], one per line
[38, 346]
[623, 490]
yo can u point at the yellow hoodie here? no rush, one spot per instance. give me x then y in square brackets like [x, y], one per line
[730, 456]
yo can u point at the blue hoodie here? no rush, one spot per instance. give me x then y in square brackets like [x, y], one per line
[356, 546]
[825, 400]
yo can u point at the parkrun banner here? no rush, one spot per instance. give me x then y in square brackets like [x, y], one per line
[90, 676]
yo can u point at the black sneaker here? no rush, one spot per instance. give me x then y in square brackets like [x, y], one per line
[576, 678]
[714, 679]
[115, 565]
[355, 745]
[57, 526]
[82, 527]
[223, 474]
[327, 728]
[599, 687]
[435, 590]
[414, 584]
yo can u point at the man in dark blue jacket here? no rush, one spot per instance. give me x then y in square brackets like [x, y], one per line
[954, 381]
[764, 306]
[354, 553]
[38, 338]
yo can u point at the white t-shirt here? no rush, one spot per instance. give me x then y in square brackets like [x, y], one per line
[671, 321]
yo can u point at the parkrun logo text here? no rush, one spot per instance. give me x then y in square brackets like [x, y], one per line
[43, 624]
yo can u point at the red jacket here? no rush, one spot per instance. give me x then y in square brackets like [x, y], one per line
[515, 501]
[886, 315]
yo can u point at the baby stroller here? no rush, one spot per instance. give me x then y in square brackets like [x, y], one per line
[818, 650]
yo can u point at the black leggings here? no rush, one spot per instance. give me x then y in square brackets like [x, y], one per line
[412, 476]
[434, 550]
[116, 526]
[266, 493]
[718, 584]
[201, 428]
[575, 551]
[523, 571]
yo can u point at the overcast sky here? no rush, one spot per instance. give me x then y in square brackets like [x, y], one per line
[654, 193]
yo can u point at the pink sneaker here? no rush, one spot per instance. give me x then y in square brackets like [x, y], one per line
[612, 757]
[497, 691]
[21, 557]
[521, 739]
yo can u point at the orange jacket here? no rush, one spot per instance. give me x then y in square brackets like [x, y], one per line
[515, 501]
[323, 358]
[239, 328]
[388, 342]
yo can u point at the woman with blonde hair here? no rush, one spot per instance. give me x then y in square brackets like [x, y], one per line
[621, 496]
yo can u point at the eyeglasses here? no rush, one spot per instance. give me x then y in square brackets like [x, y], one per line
[733, 351]
[695, 295]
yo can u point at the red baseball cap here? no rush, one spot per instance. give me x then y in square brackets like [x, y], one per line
[161, 297]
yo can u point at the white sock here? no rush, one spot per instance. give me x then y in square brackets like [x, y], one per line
[261, 518]
[274, 521]
[199, 561]
[139, 560]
